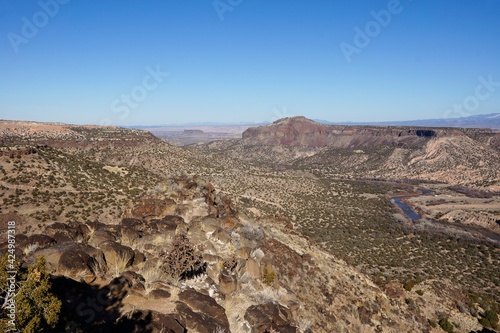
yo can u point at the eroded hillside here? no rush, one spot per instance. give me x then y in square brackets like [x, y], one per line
[140, 198]
[181, 258]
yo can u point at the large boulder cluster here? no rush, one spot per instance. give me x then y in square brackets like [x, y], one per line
[165, 264]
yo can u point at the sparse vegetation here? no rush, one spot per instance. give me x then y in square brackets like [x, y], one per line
[446, 325]
[332, 197]
[268, 276]
[37, 309]
[183, 261]
[408, 285]
[489, 319]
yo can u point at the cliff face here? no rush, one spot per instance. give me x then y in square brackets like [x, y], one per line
[369, 151]
[297, 131]
[302, 132]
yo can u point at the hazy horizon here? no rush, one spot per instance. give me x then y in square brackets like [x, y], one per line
[258, 123]
[140, 64]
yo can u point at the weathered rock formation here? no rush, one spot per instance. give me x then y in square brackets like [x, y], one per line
[302, 132]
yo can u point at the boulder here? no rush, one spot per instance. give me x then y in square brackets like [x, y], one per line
[130, 236]
[78, 263]
[165, 226]
[136, 281]
[211, 258]
[197, 321]
[117, 255]
[227, 283]
[134, 224]
[119, 287]
[61, 237]
[139, 258]
[394, 290]
[270, 316]
[37, 242]
[210, 224]
[251, 236]
[76, 260]
[219, 206]
[172, 220]
[213, 271]
[221, 235]
[4, 247]
[150, 208]
[64, 232]
[134, 230]
[101, 236]
[159, 285]
[159, 294]
[167, 323]
[80, 228]
[94, 225]
[205, 304]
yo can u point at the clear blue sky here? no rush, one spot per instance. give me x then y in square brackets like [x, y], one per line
[264, 60]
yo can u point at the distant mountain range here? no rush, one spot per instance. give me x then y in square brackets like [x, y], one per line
[195, 124]
[491, 120]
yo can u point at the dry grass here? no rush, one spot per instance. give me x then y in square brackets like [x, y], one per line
[30, 249]
[220, 329]
[120, 264]
[154, 274]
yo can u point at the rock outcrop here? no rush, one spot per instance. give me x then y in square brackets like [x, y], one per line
[302, 132]
[205, 274]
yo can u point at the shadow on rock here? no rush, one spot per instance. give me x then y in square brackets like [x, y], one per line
[88, 308]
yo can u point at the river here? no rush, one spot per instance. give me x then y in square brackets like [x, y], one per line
[407, 209]
[414, 217]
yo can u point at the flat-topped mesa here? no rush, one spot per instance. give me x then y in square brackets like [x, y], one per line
[303, 132]
[296, 131]
[66, 136]
[193, 132]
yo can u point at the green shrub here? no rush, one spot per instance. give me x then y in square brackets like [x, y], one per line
[445, 325]
[268, 276]
[37, 309]
[489, 319]
[408, 285]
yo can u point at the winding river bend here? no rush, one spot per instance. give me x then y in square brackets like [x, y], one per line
[407, 209]
[446, 226]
